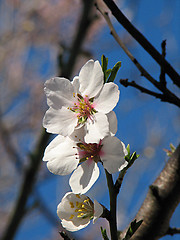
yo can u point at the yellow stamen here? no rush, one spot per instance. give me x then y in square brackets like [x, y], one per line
[72, 204]
[80, 214]
[80, 210]
[71, 217]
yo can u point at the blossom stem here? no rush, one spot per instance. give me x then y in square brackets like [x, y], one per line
[112, 196]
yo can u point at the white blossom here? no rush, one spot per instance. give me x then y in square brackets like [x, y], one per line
[76, 211]
[85, 101]
[65, 154]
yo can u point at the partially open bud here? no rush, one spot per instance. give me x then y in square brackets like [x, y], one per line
[76, 211]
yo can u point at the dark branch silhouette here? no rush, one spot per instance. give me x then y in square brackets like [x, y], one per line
[140, 38]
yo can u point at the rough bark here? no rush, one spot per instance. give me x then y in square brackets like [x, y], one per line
[162, 199]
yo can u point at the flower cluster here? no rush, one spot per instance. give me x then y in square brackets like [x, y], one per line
[80, 112]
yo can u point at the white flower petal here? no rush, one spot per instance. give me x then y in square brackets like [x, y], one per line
[59, 92]
[107, 99]
[65, 210]
[76, 84]
[113, 152]
[78, 134]
[71, 227]
[97, 129]
[84, 177]
[98, 211]
[60, 156]
[61, 121]
[91, 78]
[112, 119]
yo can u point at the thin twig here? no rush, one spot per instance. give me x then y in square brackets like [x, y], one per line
[125, 49]
[139, 37]
[165, 97]
[173, 231]
[162, 75]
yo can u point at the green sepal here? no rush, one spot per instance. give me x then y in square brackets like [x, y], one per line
[172, 147]
[127, 157]
[130, 158]
[104, 234]
[114, 72]
[107, 73]
[132, 229]
[104, 63]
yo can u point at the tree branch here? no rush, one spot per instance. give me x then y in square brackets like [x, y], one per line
[162, 75]
[165, 97]
[125, 49]
[113, 199]
[161, 201]
[139, 37]
[172, 231]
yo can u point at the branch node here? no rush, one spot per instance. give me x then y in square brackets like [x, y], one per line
[155, 192]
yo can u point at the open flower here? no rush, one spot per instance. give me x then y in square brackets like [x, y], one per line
[84, 101]
[65, 154]
[77, 210]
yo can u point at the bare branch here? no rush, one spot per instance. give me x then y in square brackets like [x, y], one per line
[139, 37]
[172, 231]
[162, 75]
[165, 97]
[122, 45]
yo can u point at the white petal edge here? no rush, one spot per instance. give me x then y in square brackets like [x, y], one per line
[84, 177]
[107, 99]
[98, 211]
[71, 227]
[59, 92]
[91, 78]
[61, 121]
[113, 152]
[97, 129]
[76, 84]
[60, 155]
[112, 119]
